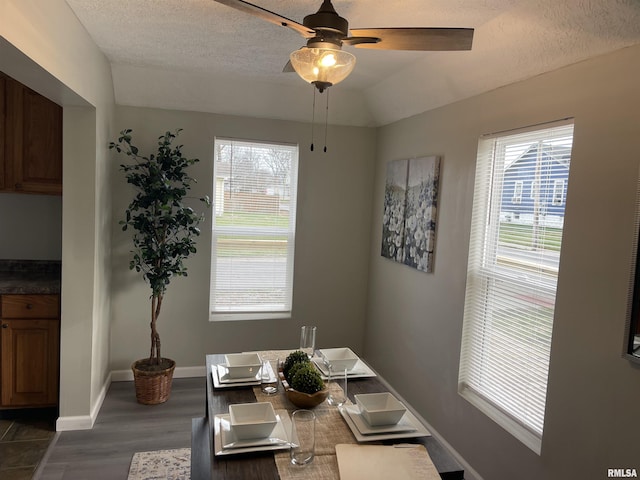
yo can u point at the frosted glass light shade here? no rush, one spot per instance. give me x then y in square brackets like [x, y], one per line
[322, 66]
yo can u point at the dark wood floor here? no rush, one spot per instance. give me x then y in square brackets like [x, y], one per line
[122, 428]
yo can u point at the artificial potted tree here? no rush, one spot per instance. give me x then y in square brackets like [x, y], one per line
[165, 231]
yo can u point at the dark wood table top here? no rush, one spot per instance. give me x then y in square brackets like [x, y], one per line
[261, 465]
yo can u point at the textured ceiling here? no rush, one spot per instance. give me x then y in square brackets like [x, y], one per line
[202, 55]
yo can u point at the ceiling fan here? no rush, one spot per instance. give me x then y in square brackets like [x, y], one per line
[323, 63]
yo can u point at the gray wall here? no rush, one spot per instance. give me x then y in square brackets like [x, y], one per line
[31, 226]
[332, 245]
[414, 320]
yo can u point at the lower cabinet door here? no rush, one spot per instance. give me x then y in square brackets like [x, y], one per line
[29, 362]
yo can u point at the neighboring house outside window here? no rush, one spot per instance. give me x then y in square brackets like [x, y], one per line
[512, 274]
[558, 191]
[253, 230]
[517, 191]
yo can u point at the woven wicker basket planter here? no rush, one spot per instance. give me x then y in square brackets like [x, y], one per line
[152, 387]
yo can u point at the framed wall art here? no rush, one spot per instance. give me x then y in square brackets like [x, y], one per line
[410, 211]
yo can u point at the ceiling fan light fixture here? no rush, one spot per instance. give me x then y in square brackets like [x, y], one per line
[322, 67]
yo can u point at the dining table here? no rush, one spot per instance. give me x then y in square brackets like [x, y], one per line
[208, 463]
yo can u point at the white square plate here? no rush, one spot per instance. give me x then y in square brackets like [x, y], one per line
[221, 378]
[223, 436]
[349, 411]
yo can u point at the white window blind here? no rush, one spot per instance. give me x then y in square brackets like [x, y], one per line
[512, 277]
[253, 237]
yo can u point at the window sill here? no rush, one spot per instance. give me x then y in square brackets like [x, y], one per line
[239, 316]
[524, 435]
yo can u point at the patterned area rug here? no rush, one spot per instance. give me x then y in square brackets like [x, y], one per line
[161, 465]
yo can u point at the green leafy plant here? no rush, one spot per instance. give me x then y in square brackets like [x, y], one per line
[165, 229]
[294, 368]
[307, 379]
[292, 359]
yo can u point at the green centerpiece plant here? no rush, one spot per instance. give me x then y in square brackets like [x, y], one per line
[165, 229]
[307, 379]
[293, 360]
[302, 381]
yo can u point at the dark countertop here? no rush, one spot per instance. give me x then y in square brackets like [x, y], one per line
[35, 277]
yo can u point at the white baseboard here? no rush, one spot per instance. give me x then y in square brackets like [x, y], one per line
[84, 422]
[179, 372]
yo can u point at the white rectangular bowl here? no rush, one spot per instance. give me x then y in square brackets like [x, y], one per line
[339, 358]
[243, 365]
[380, 408]
[252, 420]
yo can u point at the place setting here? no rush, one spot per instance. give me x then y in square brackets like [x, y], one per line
[251, 427]
[241, 369]
[338, 359]
[381, 416]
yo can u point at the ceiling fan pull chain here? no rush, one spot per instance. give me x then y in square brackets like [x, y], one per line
[326, 123]
[313, 116]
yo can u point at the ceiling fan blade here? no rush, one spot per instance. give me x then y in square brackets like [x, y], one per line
[358, 40]
[269, 16]
[427, 39]
[288, 68]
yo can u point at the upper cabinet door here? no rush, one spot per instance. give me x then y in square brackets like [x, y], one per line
[33, 141]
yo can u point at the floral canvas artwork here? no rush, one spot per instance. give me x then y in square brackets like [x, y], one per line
[395, 198]
[410, 207]
[420, 213]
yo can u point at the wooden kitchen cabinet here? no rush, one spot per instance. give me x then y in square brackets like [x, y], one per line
[29, 356]
[31, 128]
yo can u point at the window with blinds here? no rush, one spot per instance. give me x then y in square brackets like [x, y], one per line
[512, 276]
[253, 236]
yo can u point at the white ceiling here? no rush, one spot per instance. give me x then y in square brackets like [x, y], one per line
[204, 56]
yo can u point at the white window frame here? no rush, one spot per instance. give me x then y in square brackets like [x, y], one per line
[518, 186]
[558, 191]
[535, 187]
[507, 300]
[261, 311]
